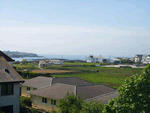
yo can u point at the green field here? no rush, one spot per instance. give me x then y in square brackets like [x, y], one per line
[111, 76]
[105, 75]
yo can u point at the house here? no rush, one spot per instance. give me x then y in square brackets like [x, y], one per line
[57, 91]
[9, 88]
[8, 59]
[43, 63]
[55, 61]
[95, 59]
[34, 83]
[45, 92]
[114, 61]
[145, 59]
[41, 81]
[138, 58]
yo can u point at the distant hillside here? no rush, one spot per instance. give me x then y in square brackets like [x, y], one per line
[16, 54]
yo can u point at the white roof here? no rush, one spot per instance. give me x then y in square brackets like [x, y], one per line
[115, 59]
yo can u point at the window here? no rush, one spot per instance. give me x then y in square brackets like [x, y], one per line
[34, 88]
[6, 109]
[6, 89]
[28, 88]
[44, 100]
[53, 102]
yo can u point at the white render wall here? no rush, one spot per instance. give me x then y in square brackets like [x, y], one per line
[12, 99]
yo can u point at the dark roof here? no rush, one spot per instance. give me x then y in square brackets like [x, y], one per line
[91, 91]
[55, 91]
[71, 81]
[8, 73]
[6, 56]
[105, 98]
[38, 82]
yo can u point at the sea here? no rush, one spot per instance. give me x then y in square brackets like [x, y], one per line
[69, 57]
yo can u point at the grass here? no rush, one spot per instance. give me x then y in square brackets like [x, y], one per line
[107, 75]
[110, 76]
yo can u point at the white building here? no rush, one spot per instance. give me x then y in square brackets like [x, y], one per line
[9, 88]
[43, 63]
[138, 58]
[114, 60]
[94, 59]
[145, 59]
[56, 61]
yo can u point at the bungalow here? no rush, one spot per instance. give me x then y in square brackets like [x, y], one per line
[40, 81]
[95, 59]
[8, 59]
[9, 88]
[56, 61]
[48, 97]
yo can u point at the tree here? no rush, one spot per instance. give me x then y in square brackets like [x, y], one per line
[92, 107]
[104, 60]
[134, 95]
[70, 104]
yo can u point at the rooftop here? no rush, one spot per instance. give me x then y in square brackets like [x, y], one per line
[8, 73]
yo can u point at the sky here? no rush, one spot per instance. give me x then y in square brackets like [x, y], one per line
[76, 27]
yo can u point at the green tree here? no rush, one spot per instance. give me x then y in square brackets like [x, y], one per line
[70, 104]
[92, 107]
[134, 95]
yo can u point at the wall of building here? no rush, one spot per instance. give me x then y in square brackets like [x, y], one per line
[11, 63]
[37, 102]
[24, 91]
[12, 99]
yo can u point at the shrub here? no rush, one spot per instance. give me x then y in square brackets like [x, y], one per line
[92, 107]
[70, 104]
[25, 101]
[134, 95]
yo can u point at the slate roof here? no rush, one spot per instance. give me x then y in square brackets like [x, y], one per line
[71, 81]
[38, 82]
[105, 97]
[59, 90]
[6, 56]
[55, 91]
[11, 76]
[91, 91]
[41, 81]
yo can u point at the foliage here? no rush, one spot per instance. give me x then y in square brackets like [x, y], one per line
[92, 107]
[70, 104]
[25, 101]
[134, 95]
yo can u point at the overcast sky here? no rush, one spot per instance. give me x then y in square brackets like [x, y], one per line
[75, 27]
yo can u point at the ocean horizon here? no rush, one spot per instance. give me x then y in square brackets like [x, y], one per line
[69, 57]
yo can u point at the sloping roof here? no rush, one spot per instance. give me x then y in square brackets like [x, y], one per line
[93, 90]
[105, 98]
[12, 76]
[38, 82]
[5, 56]
[55, 91]
[71, 81]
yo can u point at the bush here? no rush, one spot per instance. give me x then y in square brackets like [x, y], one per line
[92, 107]
[70, 104]
[25, 101]
[134, 95]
